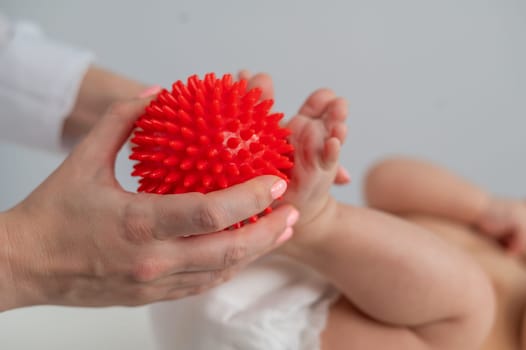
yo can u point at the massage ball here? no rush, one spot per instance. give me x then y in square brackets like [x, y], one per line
[206, 135]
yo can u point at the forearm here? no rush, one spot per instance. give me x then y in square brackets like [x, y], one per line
[98, 90]
[9, 296]
[23, 264]
[394, 272]
[6, 276]
[408, 186]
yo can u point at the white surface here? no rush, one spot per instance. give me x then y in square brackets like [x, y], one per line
[441, 79]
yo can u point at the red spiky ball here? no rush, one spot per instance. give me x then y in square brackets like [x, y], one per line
[207, 135]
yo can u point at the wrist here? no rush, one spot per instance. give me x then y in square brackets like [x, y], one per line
[7, 290]
[17, 288]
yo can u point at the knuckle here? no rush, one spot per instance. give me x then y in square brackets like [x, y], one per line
[148, 270]
[213, 277]
[235, 254]
[210, 217]
[215, 283]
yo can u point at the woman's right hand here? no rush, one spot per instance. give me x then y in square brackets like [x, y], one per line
[80, 239]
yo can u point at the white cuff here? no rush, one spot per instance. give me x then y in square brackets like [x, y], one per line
[39, 82]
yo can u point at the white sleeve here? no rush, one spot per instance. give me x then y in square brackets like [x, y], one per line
[39, 82]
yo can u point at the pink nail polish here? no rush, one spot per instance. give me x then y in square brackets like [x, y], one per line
[152, 90]
[285, 236]
[292, 218]
[278, 189]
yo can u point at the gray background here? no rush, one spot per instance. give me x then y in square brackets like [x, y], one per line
[445, 80]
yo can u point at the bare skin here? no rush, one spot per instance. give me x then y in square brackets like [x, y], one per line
[99, 89]
[80, 239]
[402, 287]
[490, 230]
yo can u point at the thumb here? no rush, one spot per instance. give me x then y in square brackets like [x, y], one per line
[262, 81]
[342, 176]
[115, 126]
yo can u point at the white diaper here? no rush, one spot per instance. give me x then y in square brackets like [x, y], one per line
[274, 304]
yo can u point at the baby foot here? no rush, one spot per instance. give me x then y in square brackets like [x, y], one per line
[312, 107]
[318, 130]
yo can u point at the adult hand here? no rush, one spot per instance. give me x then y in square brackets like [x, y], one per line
[80, 239]
[98, 90]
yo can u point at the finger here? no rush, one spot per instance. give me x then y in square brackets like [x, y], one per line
[342, 176]
[330, 153]
[147, 294]
[262, 81]
[227, 249]
[316, 104]
[212, 279]
[175, 294]
[196, 213]
[339, 131]
[183, 280]
[110, 133]
[337, 110]
[244, 74]
[335, 118]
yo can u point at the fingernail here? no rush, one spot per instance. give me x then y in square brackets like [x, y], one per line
[278, 189]
[152, 90]
[292, 218]
[285, 236]
[345, 173]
